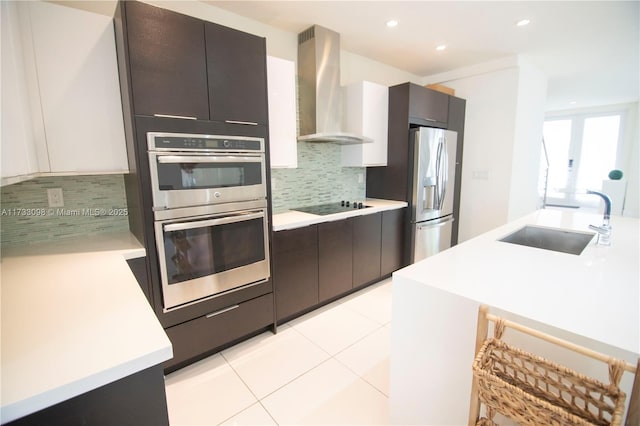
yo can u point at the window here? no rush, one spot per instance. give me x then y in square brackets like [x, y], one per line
[582, 150]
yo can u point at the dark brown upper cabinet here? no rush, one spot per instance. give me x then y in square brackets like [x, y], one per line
[167, 62]
[186, 67]
[428, 107]
[237, 71]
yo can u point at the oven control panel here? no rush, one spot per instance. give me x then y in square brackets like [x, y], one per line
[191, 142]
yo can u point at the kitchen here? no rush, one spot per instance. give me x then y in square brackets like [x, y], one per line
[354, 67]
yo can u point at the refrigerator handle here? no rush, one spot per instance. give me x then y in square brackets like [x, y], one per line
[437, 189]
[444, 173]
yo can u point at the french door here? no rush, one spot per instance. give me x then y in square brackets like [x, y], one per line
[581, 151]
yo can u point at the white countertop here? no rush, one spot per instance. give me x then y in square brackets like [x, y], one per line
[595, 294]
[294, 219]
[73, 321]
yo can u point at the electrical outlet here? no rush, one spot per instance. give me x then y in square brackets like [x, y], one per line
[360, 178]
[54, 195]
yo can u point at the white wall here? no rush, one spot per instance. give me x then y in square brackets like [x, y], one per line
[531, 97]
[503, 133]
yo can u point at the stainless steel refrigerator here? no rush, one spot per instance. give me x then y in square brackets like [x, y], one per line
[433, 175]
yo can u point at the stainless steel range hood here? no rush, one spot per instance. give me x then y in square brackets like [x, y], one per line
[319, 91]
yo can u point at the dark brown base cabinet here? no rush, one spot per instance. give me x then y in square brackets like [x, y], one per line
[138, 399]
[335, 259]
[367, 246]
[295, 270]
[392, 256]
[194, 338]
[316, 264]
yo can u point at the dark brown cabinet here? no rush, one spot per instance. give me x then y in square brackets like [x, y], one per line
[295, 270]
[167, 62]
[392, 239]
[367, 232]
[237, 73]
[319, 263]
[185, 67]
[194, 338]
[335, 271]
[428, 107]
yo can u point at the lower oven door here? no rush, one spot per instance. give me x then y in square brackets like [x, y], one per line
[205, 256]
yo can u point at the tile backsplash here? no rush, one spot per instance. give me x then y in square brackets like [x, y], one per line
[92, 205]
[319, 179]
[97, 204]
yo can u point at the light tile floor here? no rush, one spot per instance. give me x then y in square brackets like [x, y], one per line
[330, 366]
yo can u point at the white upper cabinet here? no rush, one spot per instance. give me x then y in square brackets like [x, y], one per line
[79, 93]
[19, 159]
[281, 86]
[366, 113]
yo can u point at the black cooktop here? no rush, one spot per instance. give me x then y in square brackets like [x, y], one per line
[331, 208]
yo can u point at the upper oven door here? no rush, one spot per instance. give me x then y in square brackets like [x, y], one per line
[202, 257]
[189, 179]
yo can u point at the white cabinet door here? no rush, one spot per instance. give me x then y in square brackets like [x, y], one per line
[281, 86]
[19, 159]
[79, 89]
[367, 110]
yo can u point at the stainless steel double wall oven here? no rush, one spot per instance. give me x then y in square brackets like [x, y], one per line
[210, 214]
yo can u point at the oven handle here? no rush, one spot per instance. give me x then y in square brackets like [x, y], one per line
[176, 159]
[212, 222]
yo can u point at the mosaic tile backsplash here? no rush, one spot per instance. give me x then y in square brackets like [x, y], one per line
[92, 205]
[319, 179]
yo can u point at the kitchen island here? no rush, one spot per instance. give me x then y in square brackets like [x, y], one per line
[80, 342]
[591, 299]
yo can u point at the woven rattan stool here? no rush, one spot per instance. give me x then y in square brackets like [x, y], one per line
[531, 390]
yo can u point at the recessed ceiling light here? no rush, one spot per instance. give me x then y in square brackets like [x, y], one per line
[392, 23]
[441, 47]
[523, 22]
[572, 103]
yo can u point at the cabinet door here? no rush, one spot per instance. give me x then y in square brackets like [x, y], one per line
[77, 77]
[367, 110]
[366, 248]
[428, 107]
[335, 269]
[167, 62]
[295, 270]
[237, 70]
[18, 146]
[392, 241]
[283, 145]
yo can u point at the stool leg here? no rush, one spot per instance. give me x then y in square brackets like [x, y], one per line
[633, 414]
[481, 336]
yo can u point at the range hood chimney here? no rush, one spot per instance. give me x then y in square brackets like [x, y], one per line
[319, 88]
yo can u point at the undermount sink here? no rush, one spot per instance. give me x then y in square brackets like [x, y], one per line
[561, 240]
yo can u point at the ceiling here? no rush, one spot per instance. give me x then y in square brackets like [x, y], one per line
[589, 50]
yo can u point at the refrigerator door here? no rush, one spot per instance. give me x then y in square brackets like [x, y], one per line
[434, 171]
[432, 237]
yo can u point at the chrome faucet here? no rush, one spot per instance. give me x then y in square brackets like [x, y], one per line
[604, 231]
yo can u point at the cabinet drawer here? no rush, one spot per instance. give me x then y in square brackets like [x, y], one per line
[203, 334]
